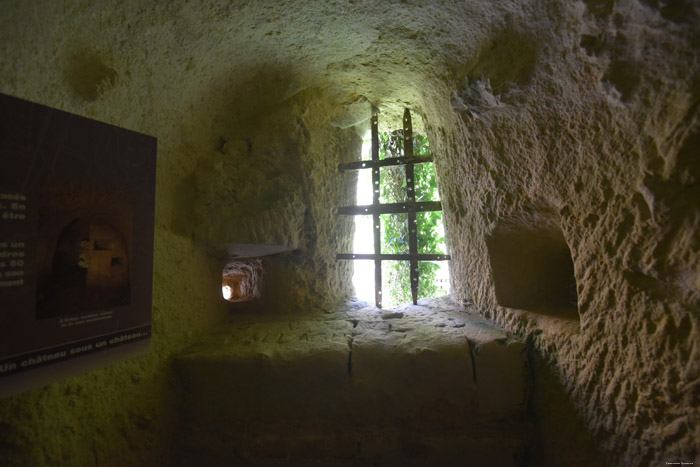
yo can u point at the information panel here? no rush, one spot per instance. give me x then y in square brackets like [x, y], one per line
[77, 203]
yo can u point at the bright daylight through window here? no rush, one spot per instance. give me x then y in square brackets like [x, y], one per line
[433, 275]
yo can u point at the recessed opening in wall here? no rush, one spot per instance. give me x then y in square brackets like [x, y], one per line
[533, 270]
[408, 190]
[242, 280]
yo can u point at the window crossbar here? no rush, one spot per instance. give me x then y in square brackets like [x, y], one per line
[388, 162]
[391, 208]
[376, 209]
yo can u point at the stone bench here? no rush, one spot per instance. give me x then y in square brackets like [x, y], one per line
[421, 382]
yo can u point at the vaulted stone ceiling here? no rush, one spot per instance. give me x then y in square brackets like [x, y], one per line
[212, 57]
[568, 120]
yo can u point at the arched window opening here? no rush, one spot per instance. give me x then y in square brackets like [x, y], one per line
[398, 220]
[89, 270]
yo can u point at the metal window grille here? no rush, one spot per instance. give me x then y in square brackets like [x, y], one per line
[411, 207]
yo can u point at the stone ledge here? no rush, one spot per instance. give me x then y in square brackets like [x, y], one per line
[432, 365]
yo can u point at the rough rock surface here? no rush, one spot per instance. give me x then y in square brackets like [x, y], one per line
[579, 116]
[431, 384]
[590, 129]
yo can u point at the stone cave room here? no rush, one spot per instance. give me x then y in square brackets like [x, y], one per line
[565, 141]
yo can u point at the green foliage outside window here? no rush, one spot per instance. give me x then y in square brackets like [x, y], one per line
[395, 227]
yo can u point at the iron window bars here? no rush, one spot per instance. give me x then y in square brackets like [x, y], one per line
[411, 207]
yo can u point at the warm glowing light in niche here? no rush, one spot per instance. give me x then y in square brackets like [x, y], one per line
[226, 291]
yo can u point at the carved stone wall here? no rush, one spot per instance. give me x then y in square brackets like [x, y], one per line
[566, 123]
[579, 137]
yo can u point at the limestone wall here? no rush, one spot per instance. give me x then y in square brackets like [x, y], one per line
[580, 123]
[565, 130]
[224, 126]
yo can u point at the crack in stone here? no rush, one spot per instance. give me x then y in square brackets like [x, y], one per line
[473, 358]
[350, 340]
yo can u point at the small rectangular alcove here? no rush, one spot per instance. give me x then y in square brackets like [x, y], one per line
[533, 270]
[242, 280]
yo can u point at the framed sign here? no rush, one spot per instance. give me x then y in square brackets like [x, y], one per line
[77, 202]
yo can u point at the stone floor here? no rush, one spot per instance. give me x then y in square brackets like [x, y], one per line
[432, 384]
